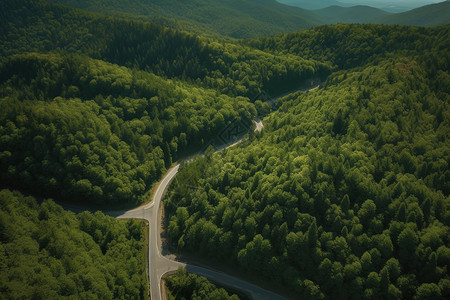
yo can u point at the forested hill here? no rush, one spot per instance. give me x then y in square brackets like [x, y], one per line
[360, 14]
[256, 18]
[429, 15]
[32, 25]
[104, 133]
[49, 253]
[76, 128]
[233, 18]
[349, 46]
[345, 192]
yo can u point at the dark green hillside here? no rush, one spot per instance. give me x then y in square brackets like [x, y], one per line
[233, 18]
[316, 4]
[429, 15]
[107, 132]
[232, 69]
[356, 14]
[355, 45]
[345, 193]
[49, 253]
[76, 128]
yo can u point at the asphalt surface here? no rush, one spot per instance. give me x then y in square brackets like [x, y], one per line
[160, 265]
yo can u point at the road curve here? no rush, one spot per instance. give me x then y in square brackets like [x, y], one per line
[160, 265]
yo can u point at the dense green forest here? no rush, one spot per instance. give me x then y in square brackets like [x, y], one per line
[429, 15]
[184, 285]
[49, 253]
[237, 70]
[77, 128]
[214, 18]
[348, 46]
[345, 192]
[256, 18]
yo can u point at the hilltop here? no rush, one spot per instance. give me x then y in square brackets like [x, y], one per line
[232, 18]
[429, 15]
[360, 14]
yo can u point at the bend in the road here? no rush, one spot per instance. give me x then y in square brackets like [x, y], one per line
[160, 265]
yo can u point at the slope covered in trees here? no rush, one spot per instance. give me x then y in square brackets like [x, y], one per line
[349, 46]
[233, 18]
[37, 26]
[429, 15]
[360, 14]
[48, 253]
[190, 286]
[345, 193]
[77, 128]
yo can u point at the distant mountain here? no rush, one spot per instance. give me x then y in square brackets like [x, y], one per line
[317, 4]
[356, 14]
[396, 6]
[429, 15]
[233, 18]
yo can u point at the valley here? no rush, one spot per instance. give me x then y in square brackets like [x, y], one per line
[223, 150]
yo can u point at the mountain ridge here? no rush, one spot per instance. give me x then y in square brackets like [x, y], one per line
[232, 18]
[354, 14]
[428, 15]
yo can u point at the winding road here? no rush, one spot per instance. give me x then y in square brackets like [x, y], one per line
[160, 265]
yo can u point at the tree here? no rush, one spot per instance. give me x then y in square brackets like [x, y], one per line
[407, 242]
[428, 291]
[312, 235]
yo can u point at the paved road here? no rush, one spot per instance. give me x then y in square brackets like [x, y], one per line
[160, 265]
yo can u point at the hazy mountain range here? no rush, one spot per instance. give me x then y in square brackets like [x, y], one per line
[254, 18]
[390, 6]
[428, 15]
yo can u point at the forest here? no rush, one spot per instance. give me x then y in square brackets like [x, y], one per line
[345, 192]
[49, 253]
[212, 18]
[77, 128]
[230, 68]
[184, 285]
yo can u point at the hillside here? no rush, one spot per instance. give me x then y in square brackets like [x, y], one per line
[128, 125]
[49, 253]
[76, 128]
[232, 18]
[356, 45]
[313, 5]
[345, 192]
[153, 48]
[356, 14]
[429, 15]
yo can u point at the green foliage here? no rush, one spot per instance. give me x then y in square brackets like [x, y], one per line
[236, 19]
[190, 286]
[48, 253]
[429, 15]
[356, 45]
[77, 128]
[355, 213]
[230, 68]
